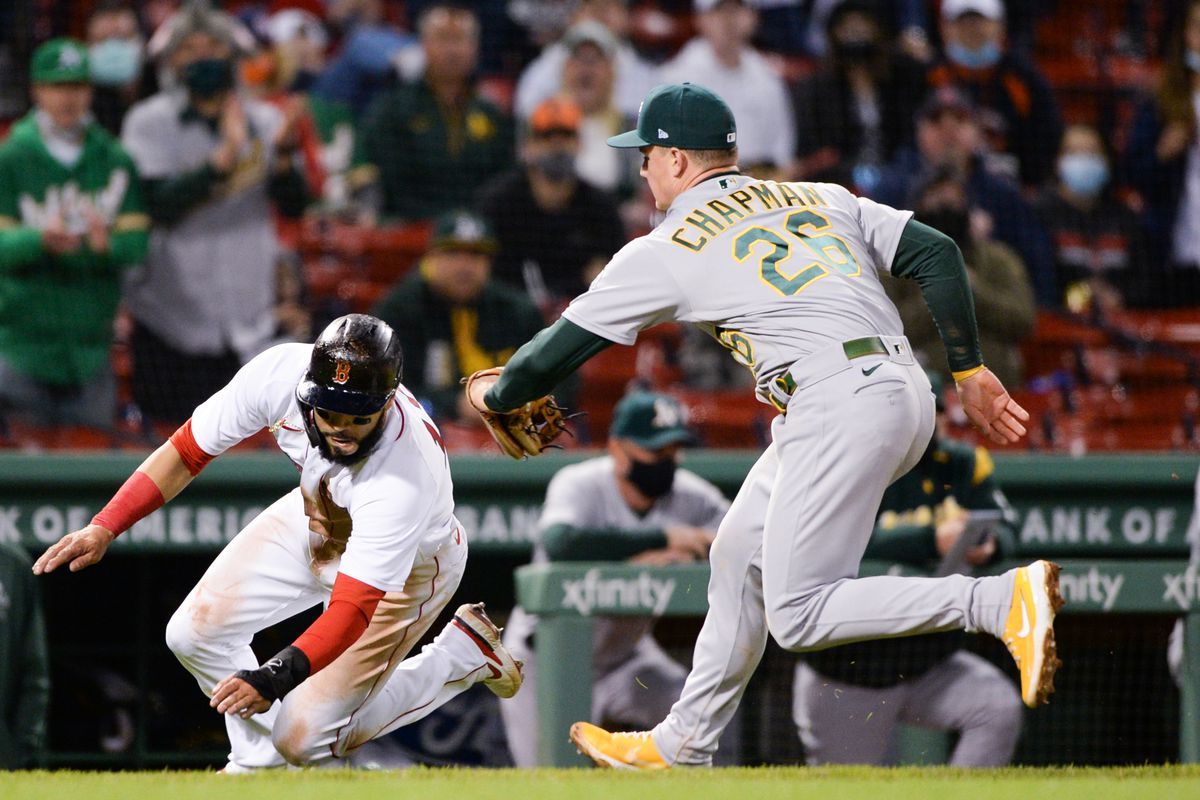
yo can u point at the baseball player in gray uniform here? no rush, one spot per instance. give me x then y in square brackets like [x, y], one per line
[785, 275]
[631, 504]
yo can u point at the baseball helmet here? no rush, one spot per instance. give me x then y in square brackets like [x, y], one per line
[355, 367]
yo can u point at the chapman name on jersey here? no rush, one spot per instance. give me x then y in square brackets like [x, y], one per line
[400, 498]
[804, 276]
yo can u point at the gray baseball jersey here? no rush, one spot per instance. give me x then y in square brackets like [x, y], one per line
[774, 271]
[636, 681]
[784, 275]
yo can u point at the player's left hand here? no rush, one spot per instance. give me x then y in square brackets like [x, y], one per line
[234, 696]
[989, 406]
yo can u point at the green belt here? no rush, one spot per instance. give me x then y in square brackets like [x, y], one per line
[855, 348]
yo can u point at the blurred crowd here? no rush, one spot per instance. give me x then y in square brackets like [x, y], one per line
[183, 184]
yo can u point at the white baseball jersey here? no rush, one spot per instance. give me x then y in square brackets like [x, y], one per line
[400, 497]
[802, 276]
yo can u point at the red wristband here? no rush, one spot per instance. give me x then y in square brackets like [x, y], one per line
[137, 498]
[350, 610]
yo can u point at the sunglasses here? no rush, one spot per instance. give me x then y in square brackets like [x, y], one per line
[329, 416]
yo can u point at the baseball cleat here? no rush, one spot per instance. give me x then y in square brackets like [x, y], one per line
[505, 670]
[1029, 630]
[634, 750]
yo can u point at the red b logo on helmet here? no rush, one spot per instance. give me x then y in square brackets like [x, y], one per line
[341, 373]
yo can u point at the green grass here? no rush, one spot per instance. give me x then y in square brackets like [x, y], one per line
[835, 783]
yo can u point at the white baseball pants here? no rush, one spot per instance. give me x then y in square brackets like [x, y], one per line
[267, 574]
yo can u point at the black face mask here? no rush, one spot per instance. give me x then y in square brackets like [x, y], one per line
[557, 166]
[857, 51]
[653, 478]
[208, 77]
[952, 222]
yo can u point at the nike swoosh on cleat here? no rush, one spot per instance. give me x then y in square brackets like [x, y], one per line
[872, 369]
[1021, 634]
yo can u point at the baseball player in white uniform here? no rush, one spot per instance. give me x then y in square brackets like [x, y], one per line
[632, 504]
[370, 532]
[785, 275]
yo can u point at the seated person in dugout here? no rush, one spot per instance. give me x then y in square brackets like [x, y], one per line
[633, 504]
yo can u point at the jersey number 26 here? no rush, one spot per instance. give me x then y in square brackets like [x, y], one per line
[830, 252]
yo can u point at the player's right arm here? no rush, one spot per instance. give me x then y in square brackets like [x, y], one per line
[162, 476]
[236, 411]
[934, 261]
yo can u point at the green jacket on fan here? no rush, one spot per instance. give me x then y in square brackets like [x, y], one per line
[56, 311]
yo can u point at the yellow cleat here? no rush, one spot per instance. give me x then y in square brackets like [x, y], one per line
[1029, 630]
[633, 750]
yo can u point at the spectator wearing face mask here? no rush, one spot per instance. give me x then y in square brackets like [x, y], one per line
[215, 164]
[853, 114]
[1164, 163]
[1004, 303]
[72, 220]
[1099, 251]
[1017, 109]
[116, 58]
[556, 230]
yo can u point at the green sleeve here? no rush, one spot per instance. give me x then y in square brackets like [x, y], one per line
[933, 260]
[33, 695]
[542, 363]
[567, 543]
[19, 244]
[170, 199]
[904, 544]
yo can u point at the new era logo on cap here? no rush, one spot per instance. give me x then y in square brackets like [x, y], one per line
[663, 134]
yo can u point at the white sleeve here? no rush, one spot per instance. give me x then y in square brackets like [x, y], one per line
[882, 227]
[566, 500]
[390, 515]
[246, 404]
[635, 291]
[147, 146]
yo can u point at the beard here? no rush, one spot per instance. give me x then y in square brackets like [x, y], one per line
[365, 446]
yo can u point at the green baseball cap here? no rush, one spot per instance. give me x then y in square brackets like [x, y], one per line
[60, 61]
[463, 230]
[651, 420]
[683, 115]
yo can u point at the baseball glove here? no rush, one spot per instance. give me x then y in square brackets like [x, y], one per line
[524, 431]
